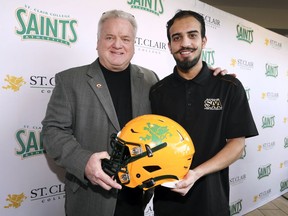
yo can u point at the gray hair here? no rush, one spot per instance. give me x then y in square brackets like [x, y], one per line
[117, 14]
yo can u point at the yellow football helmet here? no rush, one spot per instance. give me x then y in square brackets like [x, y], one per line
[150, 150]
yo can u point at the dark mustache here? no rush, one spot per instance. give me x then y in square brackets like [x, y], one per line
[186, 49]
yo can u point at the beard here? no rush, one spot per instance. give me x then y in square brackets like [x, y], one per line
[187, 64]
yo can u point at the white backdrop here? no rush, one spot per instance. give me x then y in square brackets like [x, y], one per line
[40, 38]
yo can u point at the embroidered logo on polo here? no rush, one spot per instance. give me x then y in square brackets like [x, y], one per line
[212, 104]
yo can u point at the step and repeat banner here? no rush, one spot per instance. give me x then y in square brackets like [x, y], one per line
[41, 38]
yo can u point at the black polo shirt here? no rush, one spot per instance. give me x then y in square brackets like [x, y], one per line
[211, 109]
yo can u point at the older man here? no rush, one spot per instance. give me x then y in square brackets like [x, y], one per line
[88, 104]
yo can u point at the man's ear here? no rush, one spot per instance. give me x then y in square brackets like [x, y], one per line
[204, 42]
[169, 46]
[97, 44]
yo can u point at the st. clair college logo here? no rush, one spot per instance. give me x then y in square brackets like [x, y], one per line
[283, 185]
[36, 24]
[15, 200]
[153, 6]
[271, 70]
[264, 171]
[236, 207]
[244, 33]
[29, 141]
[208, 55]
[13, 83]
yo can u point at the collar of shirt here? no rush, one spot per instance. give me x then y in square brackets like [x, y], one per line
[201, 79]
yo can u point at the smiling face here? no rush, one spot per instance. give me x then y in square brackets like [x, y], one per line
[115, 44]
[186, 43]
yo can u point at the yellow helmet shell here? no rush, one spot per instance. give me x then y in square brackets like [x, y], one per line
[159, 151]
